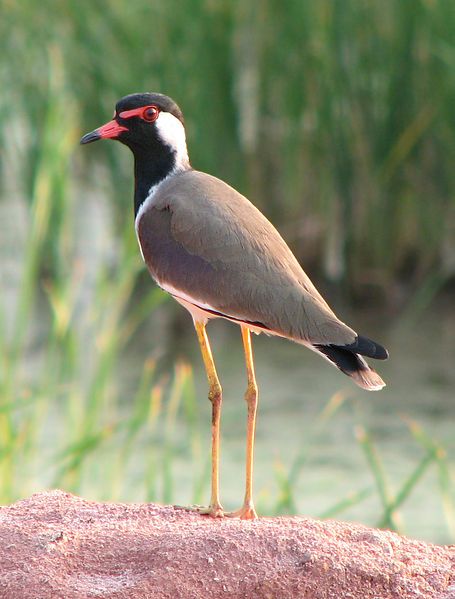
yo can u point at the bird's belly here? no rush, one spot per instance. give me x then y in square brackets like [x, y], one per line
[198, 314]
[202, 315]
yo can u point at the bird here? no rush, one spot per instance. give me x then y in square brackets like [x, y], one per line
[215, 253]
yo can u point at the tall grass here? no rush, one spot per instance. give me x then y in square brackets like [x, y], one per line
[335, 117]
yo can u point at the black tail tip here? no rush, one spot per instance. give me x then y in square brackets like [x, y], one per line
[367, 347]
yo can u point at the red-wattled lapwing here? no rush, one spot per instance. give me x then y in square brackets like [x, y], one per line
[219, 257]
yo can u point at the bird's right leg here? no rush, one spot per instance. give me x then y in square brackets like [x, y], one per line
[247, 511]
[215, 396]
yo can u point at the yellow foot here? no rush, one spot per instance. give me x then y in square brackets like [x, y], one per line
[246, 512]
[214, 511]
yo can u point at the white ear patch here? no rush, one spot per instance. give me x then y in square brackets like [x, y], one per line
[172, 133]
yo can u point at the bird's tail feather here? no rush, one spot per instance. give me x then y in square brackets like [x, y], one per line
[352, 363]
[367, 347]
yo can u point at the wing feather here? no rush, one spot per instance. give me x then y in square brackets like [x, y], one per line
[202, 237]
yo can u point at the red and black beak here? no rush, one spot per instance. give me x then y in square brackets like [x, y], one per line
[110, 130]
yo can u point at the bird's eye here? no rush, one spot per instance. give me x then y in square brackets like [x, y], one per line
[150, 113]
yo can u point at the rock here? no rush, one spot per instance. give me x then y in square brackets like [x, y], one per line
[57, 546]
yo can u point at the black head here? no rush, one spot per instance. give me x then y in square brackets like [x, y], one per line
[164, 103]
[142, 122]
[151, 125]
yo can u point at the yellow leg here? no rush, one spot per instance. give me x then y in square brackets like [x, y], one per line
[215, 396]
[247, 511]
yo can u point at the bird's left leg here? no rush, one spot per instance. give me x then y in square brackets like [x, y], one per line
[247, 511]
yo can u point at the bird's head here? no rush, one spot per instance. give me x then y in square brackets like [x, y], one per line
[146, 123]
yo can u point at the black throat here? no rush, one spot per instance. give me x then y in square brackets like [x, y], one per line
[150, 168]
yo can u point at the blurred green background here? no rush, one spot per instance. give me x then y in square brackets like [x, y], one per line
[336, 118]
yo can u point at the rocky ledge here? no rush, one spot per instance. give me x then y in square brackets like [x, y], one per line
[55, 545]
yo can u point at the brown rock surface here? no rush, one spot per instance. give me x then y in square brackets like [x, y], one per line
[55, 545]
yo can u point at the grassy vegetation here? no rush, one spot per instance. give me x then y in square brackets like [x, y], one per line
[335, 117]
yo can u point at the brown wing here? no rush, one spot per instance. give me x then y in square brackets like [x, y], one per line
[202, 237]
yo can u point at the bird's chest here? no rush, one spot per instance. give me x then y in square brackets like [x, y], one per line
[153, 230]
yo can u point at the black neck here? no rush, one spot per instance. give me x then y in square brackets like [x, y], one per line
[149, 169]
